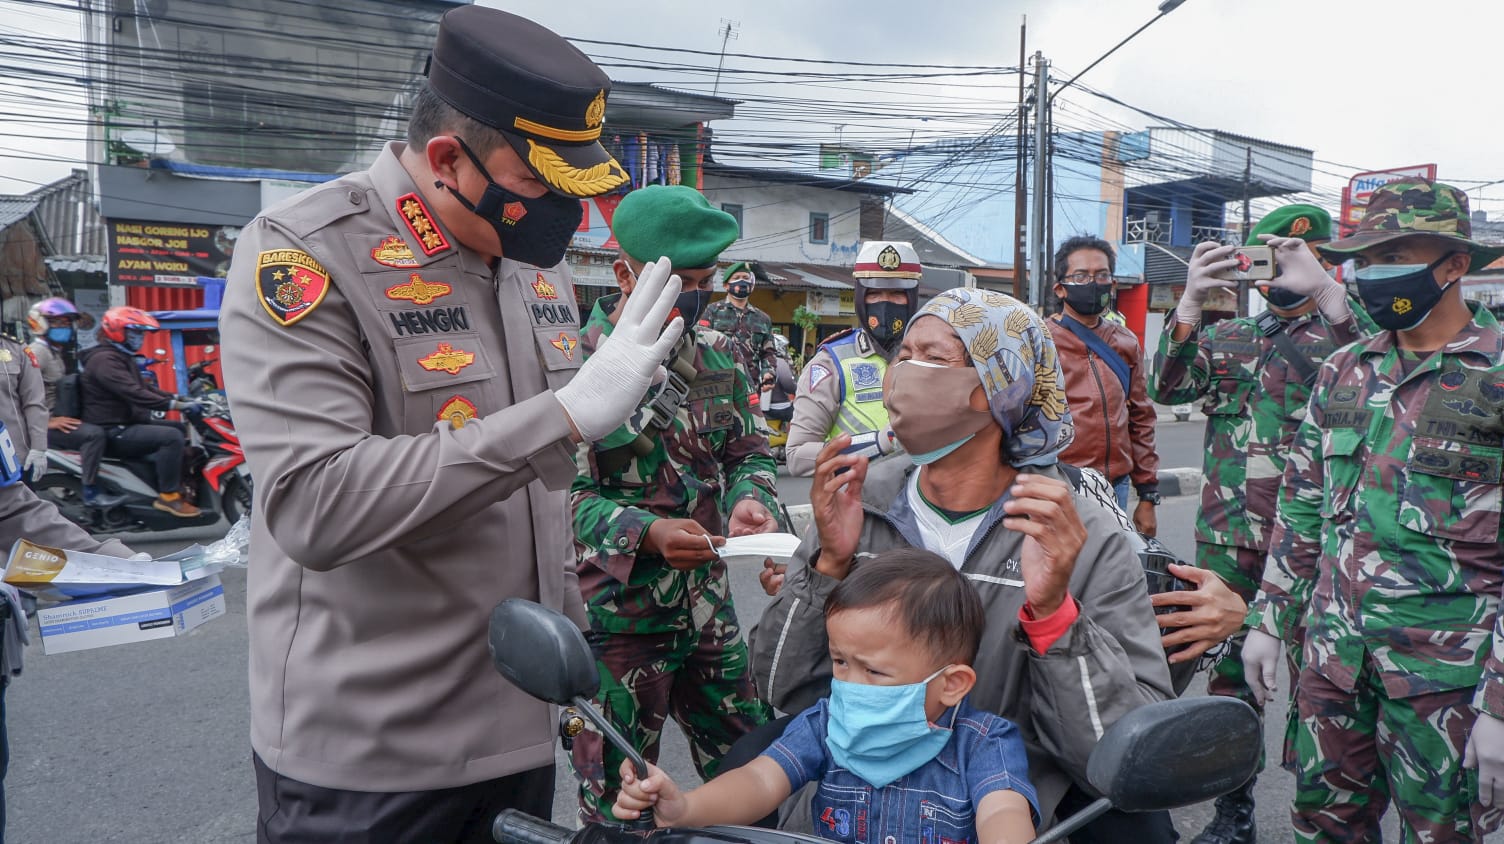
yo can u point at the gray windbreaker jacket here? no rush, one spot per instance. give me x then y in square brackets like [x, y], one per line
[1109, 662]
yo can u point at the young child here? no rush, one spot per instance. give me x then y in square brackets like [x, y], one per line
[898, 752]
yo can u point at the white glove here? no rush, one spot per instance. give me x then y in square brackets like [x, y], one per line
[36, 463]
[613, 380]
[1261, 653]
[1209, 258]
[1301, 273]
[1485, 751]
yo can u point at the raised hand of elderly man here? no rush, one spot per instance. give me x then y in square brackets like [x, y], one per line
[1301, 273]
[1203, 618]
[835, 500]
[1044, 509]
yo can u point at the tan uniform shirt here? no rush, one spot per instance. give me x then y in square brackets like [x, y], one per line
[817, 402]
[23, 408]
[411, 468]
[52, 366]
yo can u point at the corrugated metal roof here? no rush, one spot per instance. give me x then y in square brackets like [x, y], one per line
[78, 263]
[14, 209]
[69, 217]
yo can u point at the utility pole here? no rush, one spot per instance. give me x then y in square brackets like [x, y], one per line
[1247, 225]
[728, 31]
[1020, 173]
[1039, 249]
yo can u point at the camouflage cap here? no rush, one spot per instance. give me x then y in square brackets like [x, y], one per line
[1306, 222]
[1415, 207]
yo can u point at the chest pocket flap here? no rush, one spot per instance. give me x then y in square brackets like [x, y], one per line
[430, 363]
[1452, 490]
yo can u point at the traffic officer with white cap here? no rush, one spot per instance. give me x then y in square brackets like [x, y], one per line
[401, 348]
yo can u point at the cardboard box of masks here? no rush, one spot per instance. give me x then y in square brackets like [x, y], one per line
[87, 623]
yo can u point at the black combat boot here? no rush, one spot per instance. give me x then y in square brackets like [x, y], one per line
[1234, 823]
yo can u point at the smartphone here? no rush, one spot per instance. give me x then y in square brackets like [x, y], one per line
[1255, 263]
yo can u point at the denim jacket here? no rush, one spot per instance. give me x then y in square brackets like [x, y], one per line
[934, 804]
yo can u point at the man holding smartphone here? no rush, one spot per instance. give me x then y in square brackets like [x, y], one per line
[1253, 377]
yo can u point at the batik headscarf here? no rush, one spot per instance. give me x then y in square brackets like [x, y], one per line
[1014, 354]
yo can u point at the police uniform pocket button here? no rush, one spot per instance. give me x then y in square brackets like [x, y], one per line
[355, 197]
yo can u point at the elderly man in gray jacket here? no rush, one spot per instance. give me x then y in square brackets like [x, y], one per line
[975, 396]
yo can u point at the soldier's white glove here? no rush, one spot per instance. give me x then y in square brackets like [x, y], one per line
[613, 380]
[1485, 751]
[36, 463]
[1261, 653]
[1209, 258]
[1301, 273]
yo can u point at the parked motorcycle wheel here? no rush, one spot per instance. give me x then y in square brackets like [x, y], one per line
[67, 492]
[236, 499]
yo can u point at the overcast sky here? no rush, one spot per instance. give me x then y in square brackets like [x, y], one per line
[1365, 83]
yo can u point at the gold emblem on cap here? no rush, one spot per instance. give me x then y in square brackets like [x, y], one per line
[595, 114]
[888, 258]
[1300, 226]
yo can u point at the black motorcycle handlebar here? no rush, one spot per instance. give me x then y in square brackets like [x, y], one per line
[514, 827]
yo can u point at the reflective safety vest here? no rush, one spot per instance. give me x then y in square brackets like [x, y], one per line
[861, 388]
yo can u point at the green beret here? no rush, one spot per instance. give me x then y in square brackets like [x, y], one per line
[739, 267]
[674, 222]
[1306, 222]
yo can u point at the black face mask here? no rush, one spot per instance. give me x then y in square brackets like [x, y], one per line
[533, 231]
[1088, 299]
[1400, 302]
[886, 322]
[1284, 299]
[691, 304]
[739, 289]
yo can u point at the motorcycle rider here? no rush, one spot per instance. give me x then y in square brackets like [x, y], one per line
[841, 390]
[53, 324]
[117, 398]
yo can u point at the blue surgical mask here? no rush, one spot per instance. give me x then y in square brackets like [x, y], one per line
[61, 335]
[1399, 297]
[134, 337]
[881, 733]
[932, 456]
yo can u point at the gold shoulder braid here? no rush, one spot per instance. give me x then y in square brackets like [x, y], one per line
[596, 180]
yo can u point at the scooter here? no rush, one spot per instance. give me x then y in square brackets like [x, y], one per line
[1160, 756]
[214, 477]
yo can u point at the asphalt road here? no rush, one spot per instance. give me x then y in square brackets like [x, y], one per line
[148, 742]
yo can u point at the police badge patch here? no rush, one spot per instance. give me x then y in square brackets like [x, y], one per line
[865, 375]
[290, 284]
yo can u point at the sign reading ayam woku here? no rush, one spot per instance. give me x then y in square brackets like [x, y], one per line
[151, 253]
[1361, 187]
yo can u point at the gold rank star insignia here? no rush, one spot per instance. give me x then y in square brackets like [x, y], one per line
[420, 222]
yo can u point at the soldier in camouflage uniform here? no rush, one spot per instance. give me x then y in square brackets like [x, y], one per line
[651, 501]
[1387, 545]
[1254, 396]
[746, 324]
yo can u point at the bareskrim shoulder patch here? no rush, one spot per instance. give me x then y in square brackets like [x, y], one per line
[290, 284]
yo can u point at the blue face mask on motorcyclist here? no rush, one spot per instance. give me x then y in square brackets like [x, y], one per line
[1399, 297]
[134, 337]
[881, 733]
[61, 335]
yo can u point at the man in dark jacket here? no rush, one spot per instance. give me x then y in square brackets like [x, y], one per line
[117, 398]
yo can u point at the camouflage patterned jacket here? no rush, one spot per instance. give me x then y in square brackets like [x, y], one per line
[1253, 403]
[750, 329]
[1387, 545]
[711, 459]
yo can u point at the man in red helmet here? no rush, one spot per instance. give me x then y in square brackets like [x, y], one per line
[118, 399]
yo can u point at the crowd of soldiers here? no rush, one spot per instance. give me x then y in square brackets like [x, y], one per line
[1349, 524]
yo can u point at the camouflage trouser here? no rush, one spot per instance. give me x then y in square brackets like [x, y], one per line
[1357, 751]
[1242, 569]
[700, 677]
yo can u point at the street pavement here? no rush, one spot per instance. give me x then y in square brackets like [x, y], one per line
[148, 742]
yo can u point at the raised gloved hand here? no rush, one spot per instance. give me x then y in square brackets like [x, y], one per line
[612, 381]
[1300, 272]
[187, 406]
[1485, 751]
[1208, 259]
[36, 463]
[1261, 653]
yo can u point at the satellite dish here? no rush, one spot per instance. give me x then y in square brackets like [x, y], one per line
[147, 142]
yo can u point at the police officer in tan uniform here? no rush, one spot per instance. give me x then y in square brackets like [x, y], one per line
[401, 349]
[23, 408]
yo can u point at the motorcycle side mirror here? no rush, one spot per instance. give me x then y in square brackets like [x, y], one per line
[1169, 754]
[542, 652]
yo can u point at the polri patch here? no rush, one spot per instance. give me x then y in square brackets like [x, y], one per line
[817, 373]
[290, 283]
[421, 224]
[394, 252]
[457, 411]
[419, 290]
[446, 358]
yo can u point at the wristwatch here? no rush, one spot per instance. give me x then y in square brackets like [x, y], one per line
[1151, 497]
